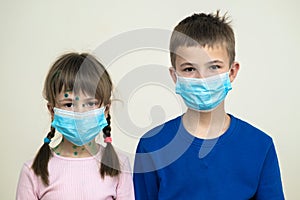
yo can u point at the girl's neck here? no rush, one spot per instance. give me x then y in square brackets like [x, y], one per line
[206, 125]
[68, 149]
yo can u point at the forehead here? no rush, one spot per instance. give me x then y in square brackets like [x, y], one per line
[69, 94]
[201, 55]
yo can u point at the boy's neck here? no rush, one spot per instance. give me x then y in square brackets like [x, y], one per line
[206, 125]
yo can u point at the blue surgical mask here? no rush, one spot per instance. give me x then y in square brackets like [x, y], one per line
[79, 127]
[203, 94]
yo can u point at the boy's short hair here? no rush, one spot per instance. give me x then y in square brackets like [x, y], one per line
[203, 29]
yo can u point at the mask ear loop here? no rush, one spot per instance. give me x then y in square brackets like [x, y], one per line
[176, 75]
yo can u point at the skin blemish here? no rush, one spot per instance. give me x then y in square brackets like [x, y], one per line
[66, 93]
[76, 98]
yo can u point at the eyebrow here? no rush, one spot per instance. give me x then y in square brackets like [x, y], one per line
[188, 64]
[90, 99]
[65, 99]
[206, 64]
[214, 62]
[69, 99]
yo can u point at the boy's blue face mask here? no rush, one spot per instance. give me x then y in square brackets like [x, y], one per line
[79, 128]
[203, 94]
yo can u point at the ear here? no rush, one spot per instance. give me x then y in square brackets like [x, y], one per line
[233, 71]
[50, 109]
[172, 73]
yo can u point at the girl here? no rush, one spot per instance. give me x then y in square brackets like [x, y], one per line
[78, 90]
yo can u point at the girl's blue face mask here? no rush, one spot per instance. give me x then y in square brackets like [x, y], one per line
[79, 127]
[203, 94]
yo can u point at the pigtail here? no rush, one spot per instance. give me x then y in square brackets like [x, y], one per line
[110, 164]
[40, 163]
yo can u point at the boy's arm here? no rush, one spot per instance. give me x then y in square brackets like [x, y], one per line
[145, 177]
[270, 185]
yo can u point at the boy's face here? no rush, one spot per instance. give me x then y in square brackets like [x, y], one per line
[203, 62]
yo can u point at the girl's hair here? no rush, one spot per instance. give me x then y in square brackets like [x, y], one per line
[77, 72]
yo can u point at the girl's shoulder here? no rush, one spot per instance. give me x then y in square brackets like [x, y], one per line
[124, 157]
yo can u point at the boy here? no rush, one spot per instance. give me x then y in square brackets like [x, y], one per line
[205, 153]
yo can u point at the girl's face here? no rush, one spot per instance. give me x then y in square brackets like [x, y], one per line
[77, 103]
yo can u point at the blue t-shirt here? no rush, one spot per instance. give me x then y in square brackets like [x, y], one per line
[172, 164]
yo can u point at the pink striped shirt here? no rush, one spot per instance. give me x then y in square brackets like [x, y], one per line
[75, 179]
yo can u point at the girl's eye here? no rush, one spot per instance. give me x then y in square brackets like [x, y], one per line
[68, 105]
[92, 104]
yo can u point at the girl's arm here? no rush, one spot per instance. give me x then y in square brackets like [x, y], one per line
[26, 189]
[125, 189]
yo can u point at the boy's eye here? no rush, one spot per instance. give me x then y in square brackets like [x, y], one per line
[214, 67]
[189, 69]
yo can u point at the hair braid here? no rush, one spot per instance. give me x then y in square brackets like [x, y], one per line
[107, 129]
[110, 164]
[40, 163]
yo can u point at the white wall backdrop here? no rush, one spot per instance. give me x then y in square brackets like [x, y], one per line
[33, 33]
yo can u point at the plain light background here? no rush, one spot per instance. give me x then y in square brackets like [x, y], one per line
[34, 33]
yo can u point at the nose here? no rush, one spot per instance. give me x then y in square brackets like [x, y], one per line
[81, 108]
[199, 73]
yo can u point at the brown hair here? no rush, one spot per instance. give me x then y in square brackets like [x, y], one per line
[203, 29]
[78, 72]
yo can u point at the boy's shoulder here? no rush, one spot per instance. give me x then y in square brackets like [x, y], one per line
[167, 126]
[162, 133]
[240, 131]
[250, 132]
